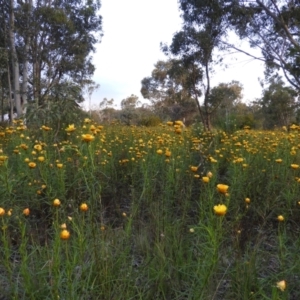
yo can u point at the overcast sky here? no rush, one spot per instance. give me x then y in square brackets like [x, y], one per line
[130, 47]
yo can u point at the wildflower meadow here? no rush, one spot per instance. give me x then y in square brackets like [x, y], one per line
[98, 211]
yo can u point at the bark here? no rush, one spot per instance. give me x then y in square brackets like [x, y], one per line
[206, 96]
[15, 62]
[25, 70]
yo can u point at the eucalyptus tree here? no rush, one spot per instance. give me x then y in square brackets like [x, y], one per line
[50, 42]
[274, 28]
[168, 89]
[204, 23]
[279, 103]
[271, 26]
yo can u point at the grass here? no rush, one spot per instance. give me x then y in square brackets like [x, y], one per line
[148, 229]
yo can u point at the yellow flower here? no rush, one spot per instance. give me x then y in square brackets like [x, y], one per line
[281, 285]
[38, 147]
[46, 128]
[63, 226]
[84, 207]
[87, 137]
[280, 218]
[209, 174]
[26, 212]
[192, 230]
[64, 234]
[220, 209]
[32, 165]
[70, 128]
[205, 179]
[93, 128]
[56, 202]
[178, 130]
[2, 211]
[59, 165]
[247, 200]
[180, 123]
[159, 151]
[279, 160]
[3, 157]
[222, 188]
[194, 169]
[168, 153]
[294, 166]
[41, 158]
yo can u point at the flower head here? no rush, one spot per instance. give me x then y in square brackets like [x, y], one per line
[65, 234]
[205, 179]
[87, 137]
[209, 174]
[70, 128]
[220, 209]
[281, 285]
[280, 218]
[32, 165]
[222, 188]
[84, 207]
[2, 211]
[194, 168]
[26, 212]
[56, 202]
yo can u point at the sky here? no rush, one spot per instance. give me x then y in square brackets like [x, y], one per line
[133, 31]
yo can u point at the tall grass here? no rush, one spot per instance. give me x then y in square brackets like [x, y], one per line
[148, 229]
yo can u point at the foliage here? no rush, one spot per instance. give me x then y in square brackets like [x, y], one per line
[59, 110]
[272, 27]
[196, 44]
[278, 104]
[168, 90]
[49, 44]
[123, 212]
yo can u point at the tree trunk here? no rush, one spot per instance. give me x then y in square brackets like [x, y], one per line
[15, 62]
[25, 70]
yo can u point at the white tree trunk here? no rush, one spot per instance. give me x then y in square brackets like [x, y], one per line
[15, 62]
